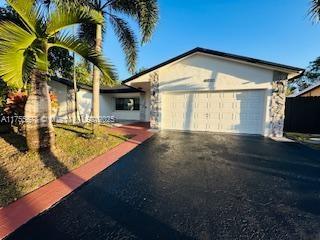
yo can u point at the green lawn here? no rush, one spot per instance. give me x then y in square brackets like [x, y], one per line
[26, 171]
[303, 138]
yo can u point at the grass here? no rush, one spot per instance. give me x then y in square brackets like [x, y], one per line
[26, 171]
[303, 138]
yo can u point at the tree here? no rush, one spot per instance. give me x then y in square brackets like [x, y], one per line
[314, 10]
[83, 73]
[144, 12]
[60, 62]
[311, 75]
[24, 57]
[140, 70]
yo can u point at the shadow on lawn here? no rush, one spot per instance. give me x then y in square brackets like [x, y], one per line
[66, 128]
[13, 221]
[52, 162]
[8, 187]
[16, 140]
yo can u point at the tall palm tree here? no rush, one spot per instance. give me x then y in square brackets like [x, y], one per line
[144, 12]
[314, 11]
[24, 57]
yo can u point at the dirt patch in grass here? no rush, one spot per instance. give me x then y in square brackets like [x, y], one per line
[25, 171]
[304, 138]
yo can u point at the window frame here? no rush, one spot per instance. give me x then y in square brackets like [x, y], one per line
[125, 105]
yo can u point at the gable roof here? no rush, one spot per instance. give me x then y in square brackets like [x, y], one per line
[308, 89]
[219, 54]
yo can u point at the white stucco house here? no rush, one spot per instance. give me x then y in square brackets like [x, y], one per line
[200, 90]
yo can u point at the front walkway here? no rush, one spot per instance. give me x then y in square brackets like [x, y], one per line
[32, 204]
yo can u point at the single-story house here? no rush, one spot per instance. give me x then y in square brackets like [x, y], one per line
[200, 90]
[312, 91]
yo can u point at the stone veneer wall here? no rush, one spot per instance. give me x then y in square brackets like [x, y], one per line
[155, 111]
[278, 102]
[142, 106]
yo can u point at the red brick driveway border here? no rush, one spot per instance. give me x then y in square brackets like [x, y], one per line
[21, 211]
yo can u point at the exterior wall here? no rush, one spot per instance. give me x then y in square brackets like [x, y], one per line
[313, 93]
[200, 72]
[84, 98]
[206, 73]
[108, 107]
[61, 92]
[65, 110]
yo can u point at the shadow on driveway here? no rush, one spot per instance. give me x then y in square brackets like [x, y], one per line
[194, 186]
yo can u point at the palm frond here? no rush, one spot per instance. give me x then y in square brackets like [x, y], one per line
[87, 32]
[14, 42]
[64, 17]
[127, 39]
[146, 12]
[8, 14]
[71, 43]
[314, 11]
[27, 11]
[148, 19]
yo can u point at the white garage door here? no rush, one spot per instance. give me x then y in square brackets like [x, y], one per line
[229, 111]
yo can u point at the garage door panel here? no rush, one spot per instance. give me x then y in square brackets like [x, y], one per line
[213, 116]
[213, 104]
[232, 111]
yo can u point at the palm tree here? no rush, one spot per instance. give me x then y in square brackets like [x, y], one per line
[314, 11]
[144, 12]
[24, 57]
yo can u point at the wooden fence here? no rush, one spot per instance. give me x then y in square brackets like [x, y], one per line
[302, 115]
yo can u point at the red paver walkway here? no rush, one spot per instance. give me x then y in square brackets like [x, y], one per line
[32, 204]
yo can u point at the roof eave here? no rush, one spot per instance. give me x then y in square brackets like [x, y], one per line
[275, 66]
[69, 83]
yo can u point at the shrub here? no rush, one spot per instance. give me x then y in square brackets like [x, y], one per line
[3, 95]
[15, 104]
[54, 100]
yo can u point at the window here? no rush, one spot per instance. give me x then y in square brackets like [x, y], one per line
[128, 104]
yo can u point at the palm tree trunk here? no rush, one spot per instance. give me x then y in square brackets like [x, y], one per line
[96, 76]
[75, 88]
[75, 92]
[39, 128]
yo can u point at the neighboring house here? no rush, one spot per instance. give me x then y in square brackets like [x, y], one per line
[204, 90]
[312, 91]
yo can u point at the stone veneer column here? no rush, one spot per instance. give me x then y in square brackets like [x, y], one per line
[142, 106]
[155, 111]
[277, 109]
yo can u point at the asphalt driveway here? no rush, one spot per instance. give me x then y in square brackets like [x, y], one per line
[194, 186]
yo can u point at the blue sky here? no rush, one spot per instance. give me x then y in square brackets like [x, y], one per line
[275, 30]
